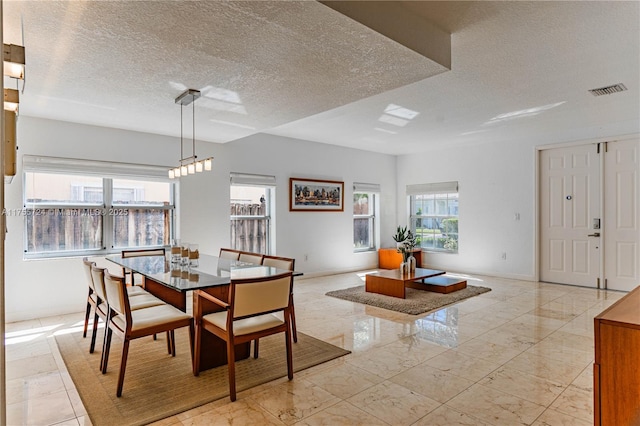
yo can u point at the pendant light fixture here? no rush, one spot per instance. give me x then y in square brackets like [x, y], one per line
[189, 165]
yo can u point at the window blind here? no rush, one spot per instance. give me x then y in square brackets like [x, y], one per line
[432, 188]
[105, 169]
[252, 180]
[366, 187]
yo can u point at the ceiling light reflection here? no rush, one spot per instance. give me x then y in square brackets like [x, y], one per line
[221, 94]
[528, 112]
[385, 130]
[219, 105]
[400, 112]
[395, 121]
[229, 123]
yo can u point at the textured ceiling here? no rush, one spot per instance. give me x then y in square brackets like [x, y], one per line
[519, 70]
[258, 64]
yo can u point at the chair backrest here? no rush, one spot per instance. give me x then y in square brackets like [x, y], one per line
[229, 254]
[87, 264]
[143, 252]
[117, 298]
[97, 274]
[251, 257]
[255, 296]
[285, 263]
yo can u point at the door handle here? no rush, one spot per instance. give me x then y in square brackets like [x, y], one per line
[595, 234]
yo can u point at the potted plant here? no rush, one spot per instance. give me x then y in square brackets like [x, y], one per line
[406, 241]
[401, 235]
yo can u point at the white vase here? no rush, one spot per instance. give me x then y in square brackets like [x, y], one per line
[404, 268]
[412, 263]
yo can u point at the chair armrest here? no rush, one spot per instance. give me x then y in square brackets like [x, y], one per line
[213, 299]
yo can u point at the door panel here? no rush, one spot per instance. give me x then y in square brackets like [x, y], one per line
[621, 221]
[569, 201]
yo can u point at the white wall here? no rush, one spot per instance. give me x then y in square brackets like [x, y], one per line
[326, 238]
[37, 288]
[495, 182]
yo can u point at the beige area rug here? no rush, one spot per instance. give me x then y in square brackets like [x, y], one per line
[416, 302]
[157, 385]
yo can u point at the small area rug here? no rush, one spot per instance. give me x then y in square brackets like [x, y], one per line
[417, 301]
[157, 385]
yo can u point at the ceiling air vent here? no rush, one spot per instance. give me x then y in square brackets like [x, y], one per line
[609, 90]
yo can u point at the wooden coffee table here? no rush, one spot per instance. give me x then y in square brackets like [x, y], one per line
[392, 283]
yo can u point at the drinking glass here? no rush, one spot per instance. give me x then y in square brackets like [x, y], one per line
[175, 251]
[194, 255]
[184, 254]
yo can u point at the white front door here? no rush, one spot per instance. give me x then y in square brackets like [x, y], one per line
[569, 206]
[622, 215]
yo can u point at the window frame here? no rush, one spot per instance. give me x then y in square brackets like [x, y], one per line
[373, 192]
[107, 172]
[372, 216]
[268, 184]
[435, 190]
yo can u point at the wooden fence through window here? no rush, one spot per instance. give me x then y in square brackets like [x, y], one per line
[60, 229]
[249, 234]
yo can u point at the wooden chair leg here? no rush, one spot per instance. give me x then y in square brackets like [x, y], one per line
[173, 343]
[104, 347]
[293, 319]
[231, 364]
[191, 339]
[94, 332]
[289, 352]
[123, 366]
[86, 319]
[256, 344]
[169, 342]
[196, 350]
[107, 347]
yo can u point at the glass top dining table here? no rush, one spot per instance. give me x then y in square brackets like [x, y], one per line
[211, 271]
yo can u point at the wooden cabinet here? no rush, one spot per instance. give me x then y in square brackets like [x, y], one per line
[616, 371]
[389, 258]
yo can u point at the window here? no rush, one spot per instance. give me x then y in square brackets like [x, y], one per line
[251, 212]
[75, 207]
[434, 215]
[148, 209]
[364, 216]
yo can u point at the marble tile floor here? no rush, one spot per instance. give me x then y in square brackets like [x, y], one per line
[521, 354]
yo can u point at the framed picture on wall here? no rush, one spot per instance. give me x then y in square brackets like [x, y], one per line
[312, 195]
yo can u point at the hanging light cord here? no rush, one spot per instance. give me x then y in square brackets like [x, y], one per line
[194, 132]
[181, 151]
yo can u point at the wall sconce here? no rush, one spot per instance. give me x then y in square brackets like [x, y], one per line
[11, 100]
[189, 165]
[13, 57]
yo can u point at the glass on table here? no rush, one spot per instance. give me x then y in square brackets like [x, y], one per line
[184, 254]
[176, 251]
[194, 255]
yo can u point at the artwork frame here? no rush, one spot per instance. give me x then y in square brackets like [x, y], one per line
[333, 202]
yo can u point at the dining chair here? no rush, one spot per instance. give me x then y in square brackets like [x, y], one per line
[132, 324]
[249, 257]
[288, 264]
[92, 297]
[137, 301]
[137, 253]
[249, 314]
[229, 254]
[115, 269]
